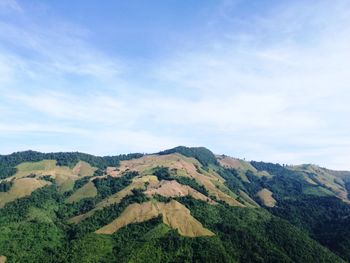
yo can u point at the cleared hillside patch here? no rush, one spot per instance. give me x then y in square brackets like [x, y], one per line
[174, 214]
[137, 183]
[265, 195]
[84, 169]
[2, 259]
[182, 166]
[21, 188]
[174, 189]
[86, 191]
[63, 175]
[324, 178]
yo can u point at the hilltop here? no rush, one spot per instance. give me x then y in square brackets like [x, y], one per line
[182, 204]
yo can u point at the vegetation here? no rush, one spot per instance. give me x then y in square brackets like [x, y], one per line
[325, 219]
[163, 173]
[232, 179]
[110, 185]
[242, 235]
[192, 183]
[308, 224]
[8, 162]
[312, 208]
[203, 155]
[5, 186]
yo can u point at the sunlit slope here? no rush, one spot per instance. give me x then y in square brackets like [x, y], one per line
[174, 214]
[151, 186]
[137, 183]
[31, 176]
[181, 204]
[329, 181]
[265, 195]
[174, 189]
[182, 166]
[86, 191]
[21, 187]
[241, 166]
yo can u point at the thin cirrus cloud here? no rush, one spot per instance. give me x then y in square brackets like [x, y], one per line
[271, 85]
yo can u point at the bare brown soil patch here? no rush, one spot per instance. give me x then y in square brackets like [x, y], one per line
[2, 259]
[173, 213]
[113, 171]
[265, 196]
[182, 166]
[229, 162]
[64, 176]
[84, 169]
[138, 183]
[174, 189]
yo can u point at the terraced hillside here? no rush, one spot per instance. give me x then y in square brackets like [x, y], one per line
[179, 205]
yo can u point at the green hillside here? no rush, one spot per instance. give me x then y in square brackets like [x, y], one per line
[307, 222]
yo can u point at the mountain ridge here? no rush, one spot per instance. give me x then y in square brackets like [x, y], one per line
[188, 195]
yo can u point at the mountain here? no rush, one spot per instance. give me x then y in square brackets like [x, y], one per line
[179, 205]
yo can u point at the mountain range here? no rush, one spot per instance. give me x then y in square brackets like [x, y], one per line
[179, 205]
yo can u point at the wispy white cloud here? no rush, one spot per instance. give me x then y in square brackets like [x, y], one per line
[276, 90]
[54, 50]
[294, 69]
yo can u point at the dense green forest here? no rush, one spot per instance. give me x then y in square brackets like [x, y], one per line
[202, 154]
[34, 230]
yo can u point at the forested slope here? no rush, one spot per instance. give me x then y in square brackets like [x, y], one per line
[307, 222]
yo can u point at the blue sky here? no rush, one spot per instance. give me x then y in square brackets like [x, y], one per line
[263, 80]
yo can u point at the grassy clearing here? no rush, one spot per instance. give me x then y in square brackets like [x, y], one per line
[84, 169]
[21, 188]
[86, 191]
[183, 166]
[36, 166]
[63, 175]
[2, 259]
[152, 186]
[180, 166]
[266, 198]
[137, 183]
[27, 179]
[241, 166]
[318, 191]
[174, 189]
[318, 176]
[174, 214]
[234, 163]
[44, 167]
